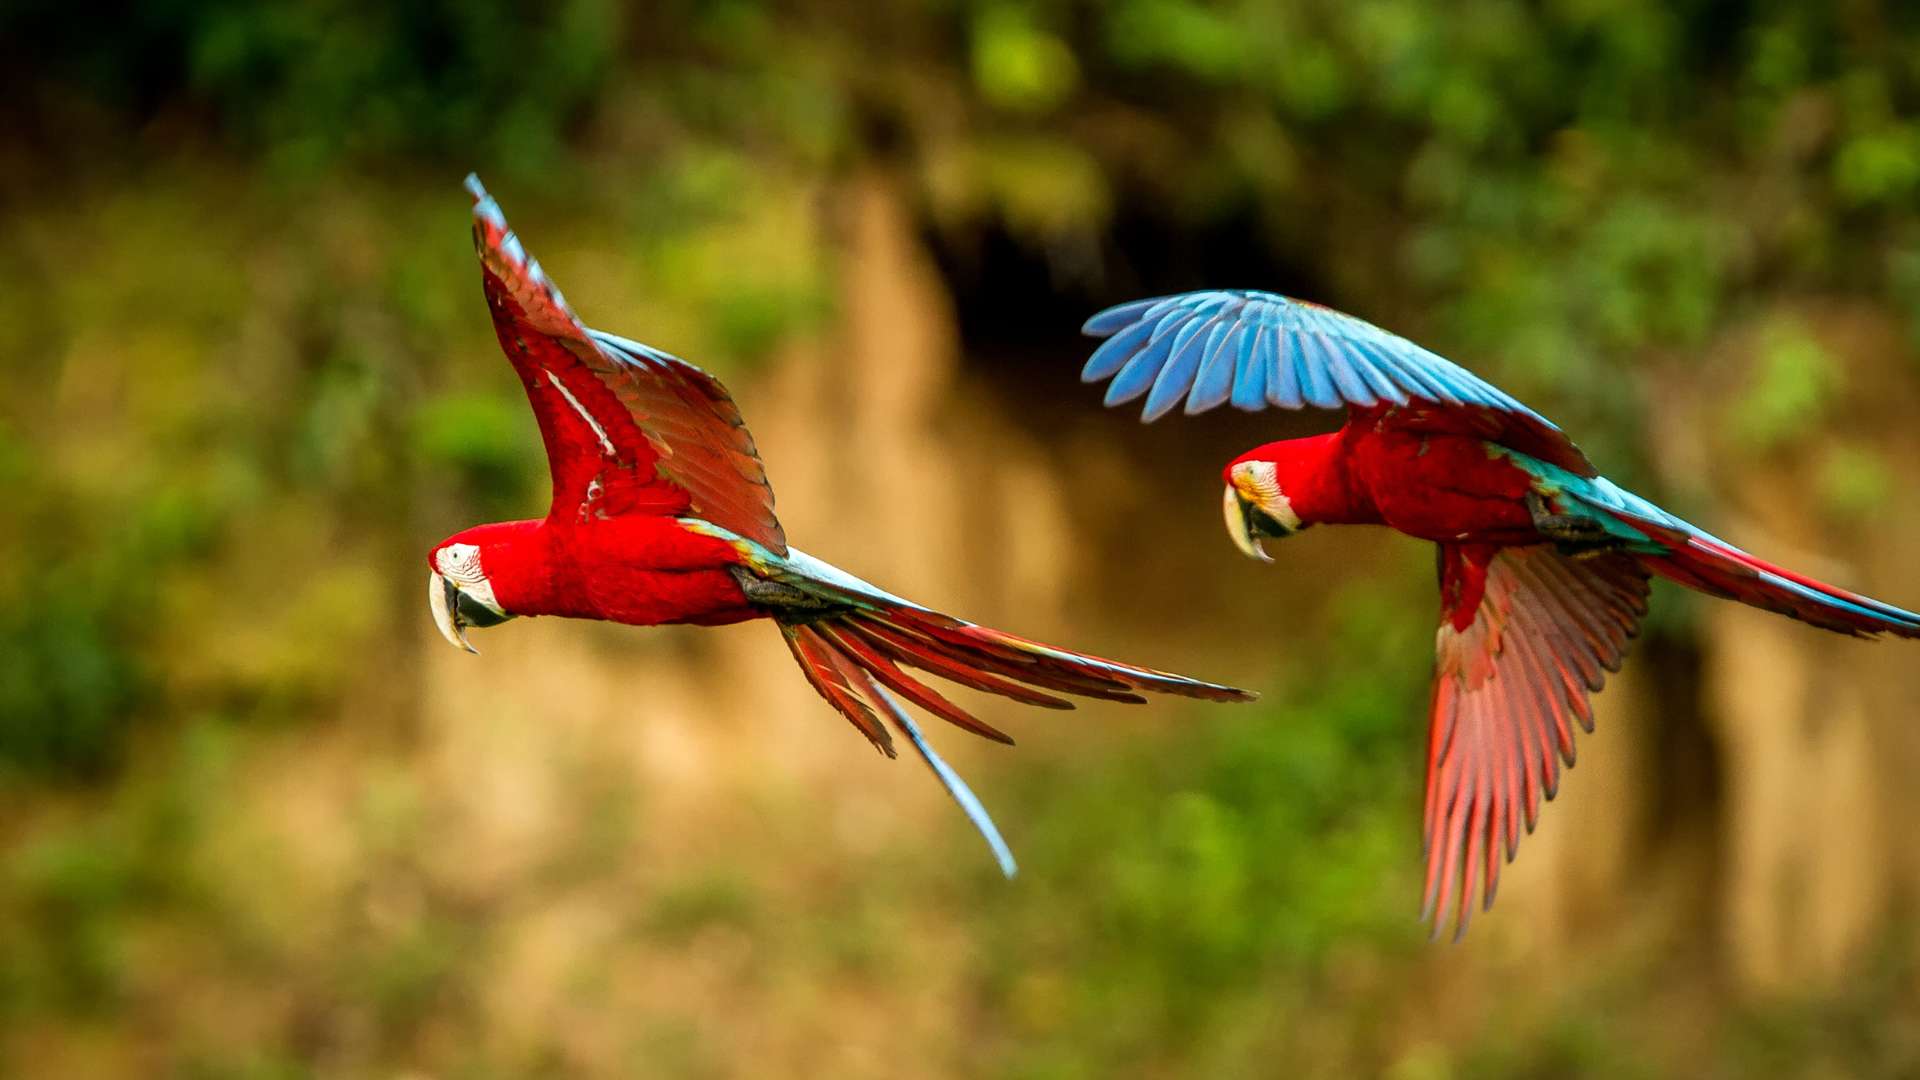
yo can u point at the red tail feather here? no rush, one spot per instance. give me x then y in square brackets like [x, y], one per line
[825, 668]
[846, 653]
[859, 652]
[1723, 570]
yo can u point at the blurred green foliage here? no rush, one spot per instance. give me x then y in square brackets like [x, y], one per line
[1791, 390]
[245, 383]
[303, 85]
[1170, 897]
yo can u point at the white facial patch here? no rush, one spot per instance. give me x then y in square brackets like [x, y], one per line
[460, 564]
[1258, 482]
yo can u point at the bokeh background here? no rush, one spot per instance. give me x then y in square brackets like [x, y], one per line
[257, 820]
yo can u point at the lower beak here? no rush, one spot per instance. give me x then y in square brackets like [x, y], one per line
[444, 599]
[1240, 527]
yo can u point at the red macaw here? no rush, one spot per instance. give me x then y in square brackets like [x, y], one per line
[1543, 563]
[662, 513]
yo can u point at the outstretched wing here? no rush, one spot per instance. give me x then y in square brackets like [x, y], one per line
[1255, 349]
[1526, 634]
[628, 428]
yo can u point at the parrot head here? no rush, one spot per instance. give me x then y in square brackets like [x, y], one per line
[459, 591]
[1256, 508]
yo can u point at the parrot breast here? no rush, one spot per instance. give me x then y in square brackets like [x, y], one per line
[1444, 488]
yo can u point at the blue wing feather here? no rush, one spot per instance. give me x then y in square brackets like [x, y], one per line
[1176, 378]
[1283, 385]
[1158, 312]
[1118, 316]
[1249, 379]
[1375, 375]
[1351, 388]
[1250, 372]
[1416, 382]
[1276, 363]
[1215, 380]
[1138, 375]
[1168, 321]
[1115, 351]
[1265, 360]
[1315, 376]
[1255, 348]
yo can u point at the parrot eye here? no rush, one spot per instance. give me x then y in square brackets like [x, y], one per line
[461, 562]
[1258, 482]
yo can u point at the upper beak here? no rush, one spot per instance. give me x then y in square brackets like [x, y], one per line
[1240, 526]
[444, 599]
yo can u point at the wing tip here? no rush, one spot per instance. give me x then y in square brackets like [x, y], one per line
[487, 212]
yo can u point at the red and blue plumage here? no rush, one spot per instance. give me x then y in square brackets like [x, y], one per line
[1544, 564]
[662, 513]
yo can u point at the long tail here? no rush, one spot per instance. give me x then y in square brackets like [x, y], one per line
[856, 635]
[1690, 556]
[854, 642]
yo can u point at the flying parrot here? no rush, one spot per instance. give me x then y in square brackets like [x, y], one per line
[1544, 564]
[662, 513]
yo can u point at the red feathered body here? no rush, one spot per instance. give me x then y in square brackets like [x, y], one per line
[1436, 486]
[642, 571]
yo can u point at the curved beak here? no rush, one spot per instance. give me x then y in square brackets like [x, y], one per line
[1239, 514]
[444, 599]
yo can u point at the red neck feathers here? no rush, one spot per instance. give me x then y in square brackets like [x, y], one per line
[1315, 476]
[516, 557]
